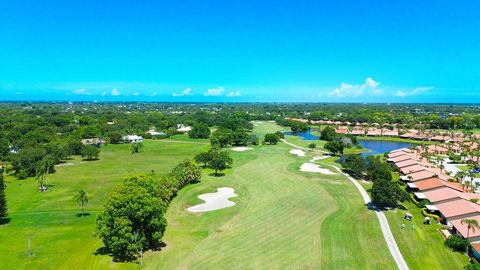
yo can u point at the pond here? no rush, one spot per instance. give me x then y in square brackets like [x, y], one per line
[375, 147]
[304, 135]
[380, 147]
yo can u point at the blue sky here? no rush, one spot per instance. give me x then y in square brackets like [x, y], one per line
[316, 51]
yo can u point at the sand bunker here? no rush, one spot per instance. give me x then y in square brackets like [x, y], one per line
[214, 201]
[241, 149]
[315, 158]
[297, 152]
[65, 164]
[314, 168]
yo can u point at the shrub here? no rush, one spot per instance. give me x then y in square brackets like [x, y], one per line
[457, 243]
[435, 217]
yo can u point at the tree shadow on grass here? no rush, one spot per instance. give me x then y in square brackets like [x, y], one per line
[82, 214]
[101, 251]
[217, 174]
[4, 221]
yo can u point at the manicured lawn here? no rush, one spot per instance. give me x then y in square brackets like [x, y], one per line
[60, 239]
[422, 247]
[283, 219]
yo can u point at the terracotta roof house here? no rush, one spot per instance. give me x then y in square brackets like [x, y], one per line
[341, 131]
[401, 158]
[440, 138]
[463, 228]
[358, 132]
[374, 132]
[392, 133]
[442, 195]
[406, 163]
[420, 175]
[458, 209]
[412, 169]
[435, 183]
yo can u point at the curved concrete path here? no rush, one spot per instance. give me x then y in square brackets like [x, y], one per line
[387, 233]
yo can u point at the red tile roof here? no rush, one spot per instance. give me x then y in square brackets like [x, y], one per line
[441, 194]
[462, 228]
[457, 208]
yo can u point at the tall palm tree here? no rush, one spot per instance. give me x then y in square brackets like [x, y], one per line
[43, 171]
[82, 199]
[472, 224]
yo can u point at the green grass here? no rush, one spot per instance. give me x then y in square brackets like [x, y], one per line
[423, 247]
[283, 219]
[60, 239]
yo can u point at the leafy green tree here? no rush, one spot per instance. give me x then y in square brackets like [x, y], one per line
[355, 165]
[82, 199]
[457, 243]
[386, 193]
[203, 158]
[136, 147]
[115, 137]
[328, 134]
[336, 147]
[219, 161]
[222, 137]
[90, 152]
[199, 131]
[133, 209]
[271, 138]
[312, 146]
[3, 199]
[253, 139]
[239, 137]
[187, 173]
[74, 146]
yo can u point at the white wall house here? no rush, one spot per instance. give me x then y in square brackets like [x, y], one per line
[133, 139]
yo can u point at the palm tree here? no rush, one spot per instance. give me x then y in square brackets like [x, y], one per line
[43, 171]
[472, 224]
[82, 199]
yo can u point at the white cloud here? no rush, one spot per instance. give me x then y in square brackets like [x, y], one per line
[218, 91]
[115, 92]
[414, 91]
[153, 94]
[234, 94]
[400, 93]
[103, 93]
[371, 82]
[81, 91]
[136, 94]
[354, 90]
[185, 92]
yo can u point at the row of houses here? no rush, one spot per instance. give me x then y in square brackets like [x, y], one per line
[375, 129]
[449, 200]
[405, 134]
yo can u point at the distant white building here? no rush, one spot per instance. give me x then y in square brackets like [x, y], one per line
[133, 139]
[155, 133]
[183, 128]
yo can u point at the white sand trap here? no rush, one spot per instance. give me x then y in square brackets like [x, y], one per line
[65, 164]
[297, 152]
[314, 168]
[315, 158]
[241, 149]
[214, 201]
